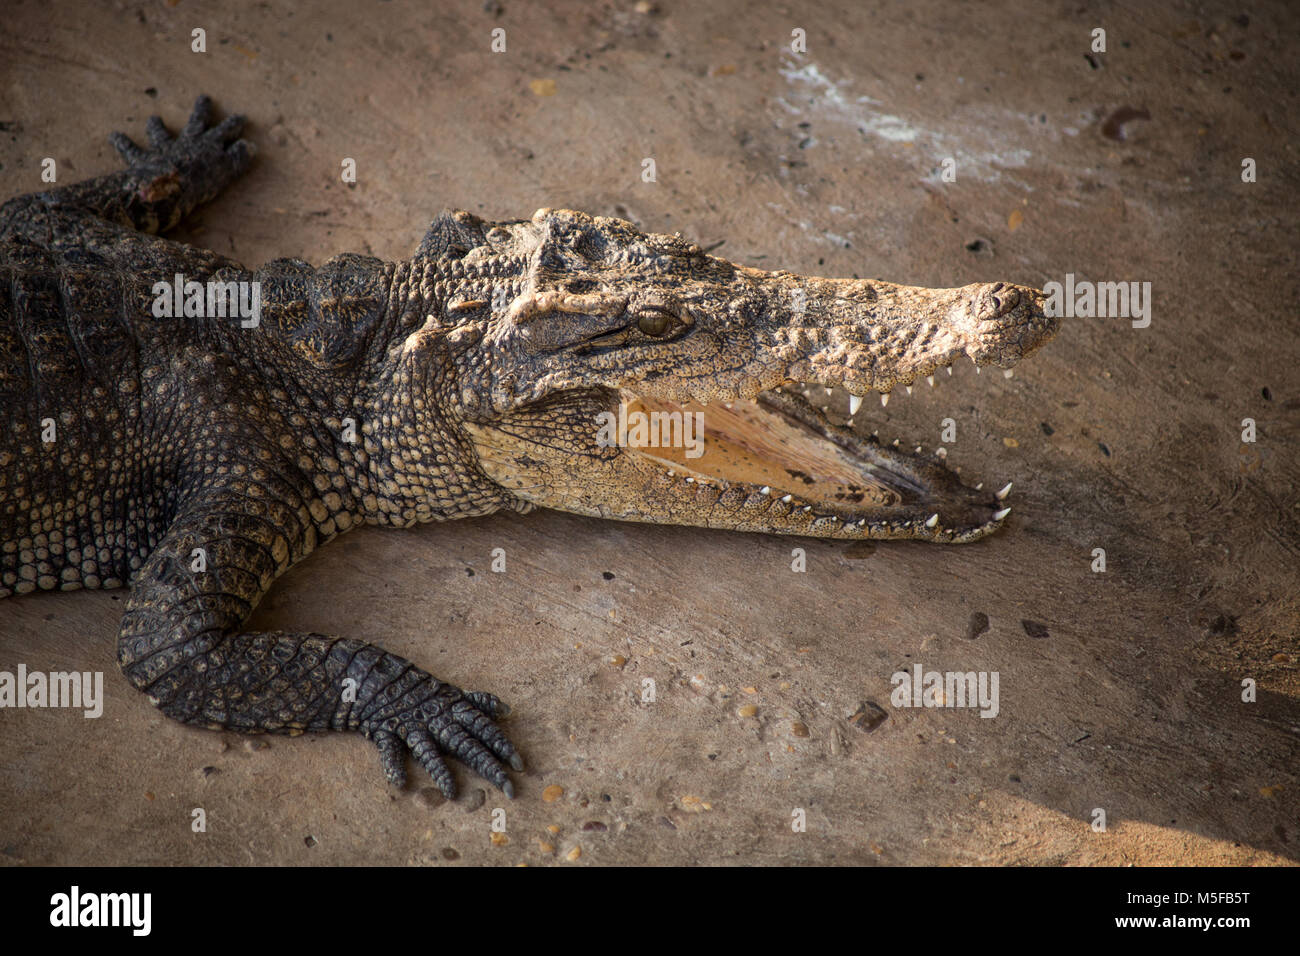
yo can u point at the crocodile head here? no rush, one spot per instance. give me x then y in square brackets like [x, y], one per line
[629, 375]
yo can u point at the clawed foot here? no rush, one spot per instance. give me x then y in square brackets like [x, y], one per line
[190, 168]
[431, 719]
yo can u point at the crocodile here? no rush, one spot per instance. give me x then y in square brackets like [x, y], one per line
[152, 439]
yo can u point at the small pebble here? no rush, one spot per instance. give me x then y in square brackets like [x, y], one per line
[552, 793]
[1035, 629]
[869, 716]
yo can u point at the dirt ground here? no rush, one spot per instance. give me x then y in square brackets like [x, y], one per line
[1120, 691]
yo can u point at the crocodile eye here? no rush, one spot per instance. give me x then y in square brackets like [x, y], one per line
[654, 324]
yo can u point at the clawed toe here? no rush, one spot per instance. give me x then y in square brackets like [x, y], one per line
[157, 132]
[228, 129]
[425, 751]
[126, 147]
[490, 704]
[200, 116]
[392, 756]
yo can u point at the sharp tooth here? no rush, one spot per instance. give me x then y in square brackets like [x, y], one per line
[1008, 372]
[909, 389]
[826, 390]
[930, 379]
[979, 486]
[941, 452]
[1005, 491]
[787, 498]
[999, 515]
[977, 369]
[766, 490]
[895, 442]
[949, 369]
[691, 480]
[918, 449]
[932, 520]
[884, 398]
[855, 402]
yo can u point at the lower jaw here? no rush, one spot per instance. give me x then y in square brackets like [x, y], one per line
[782, 466]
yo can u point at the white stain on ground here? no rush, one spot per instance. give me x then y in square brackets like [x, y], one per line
[976, 150]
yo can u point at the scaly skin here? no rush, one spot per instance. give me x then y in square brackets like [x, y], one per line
[195, 460]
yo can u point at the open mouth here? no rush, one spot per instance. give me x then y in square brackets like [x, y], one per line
[787, 465]
[687, 434]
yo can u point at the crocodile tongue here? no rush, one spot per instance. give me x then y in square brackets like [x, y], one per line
[753, 443]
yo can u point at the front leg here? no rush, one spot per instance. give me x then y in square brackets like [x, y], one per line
[182, 642]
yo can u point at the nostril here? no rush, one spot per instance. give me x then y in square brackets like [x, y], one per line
[1004, 299]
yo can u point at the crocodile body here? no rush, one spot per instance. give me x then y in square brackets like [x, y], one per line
[194, 457]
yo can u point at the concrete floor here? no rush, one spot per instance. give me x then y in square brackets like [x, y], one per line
[1124, 690]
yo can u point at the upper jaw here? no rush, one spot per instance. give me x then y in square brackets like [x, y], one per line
[910, 333]
[861, 336]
